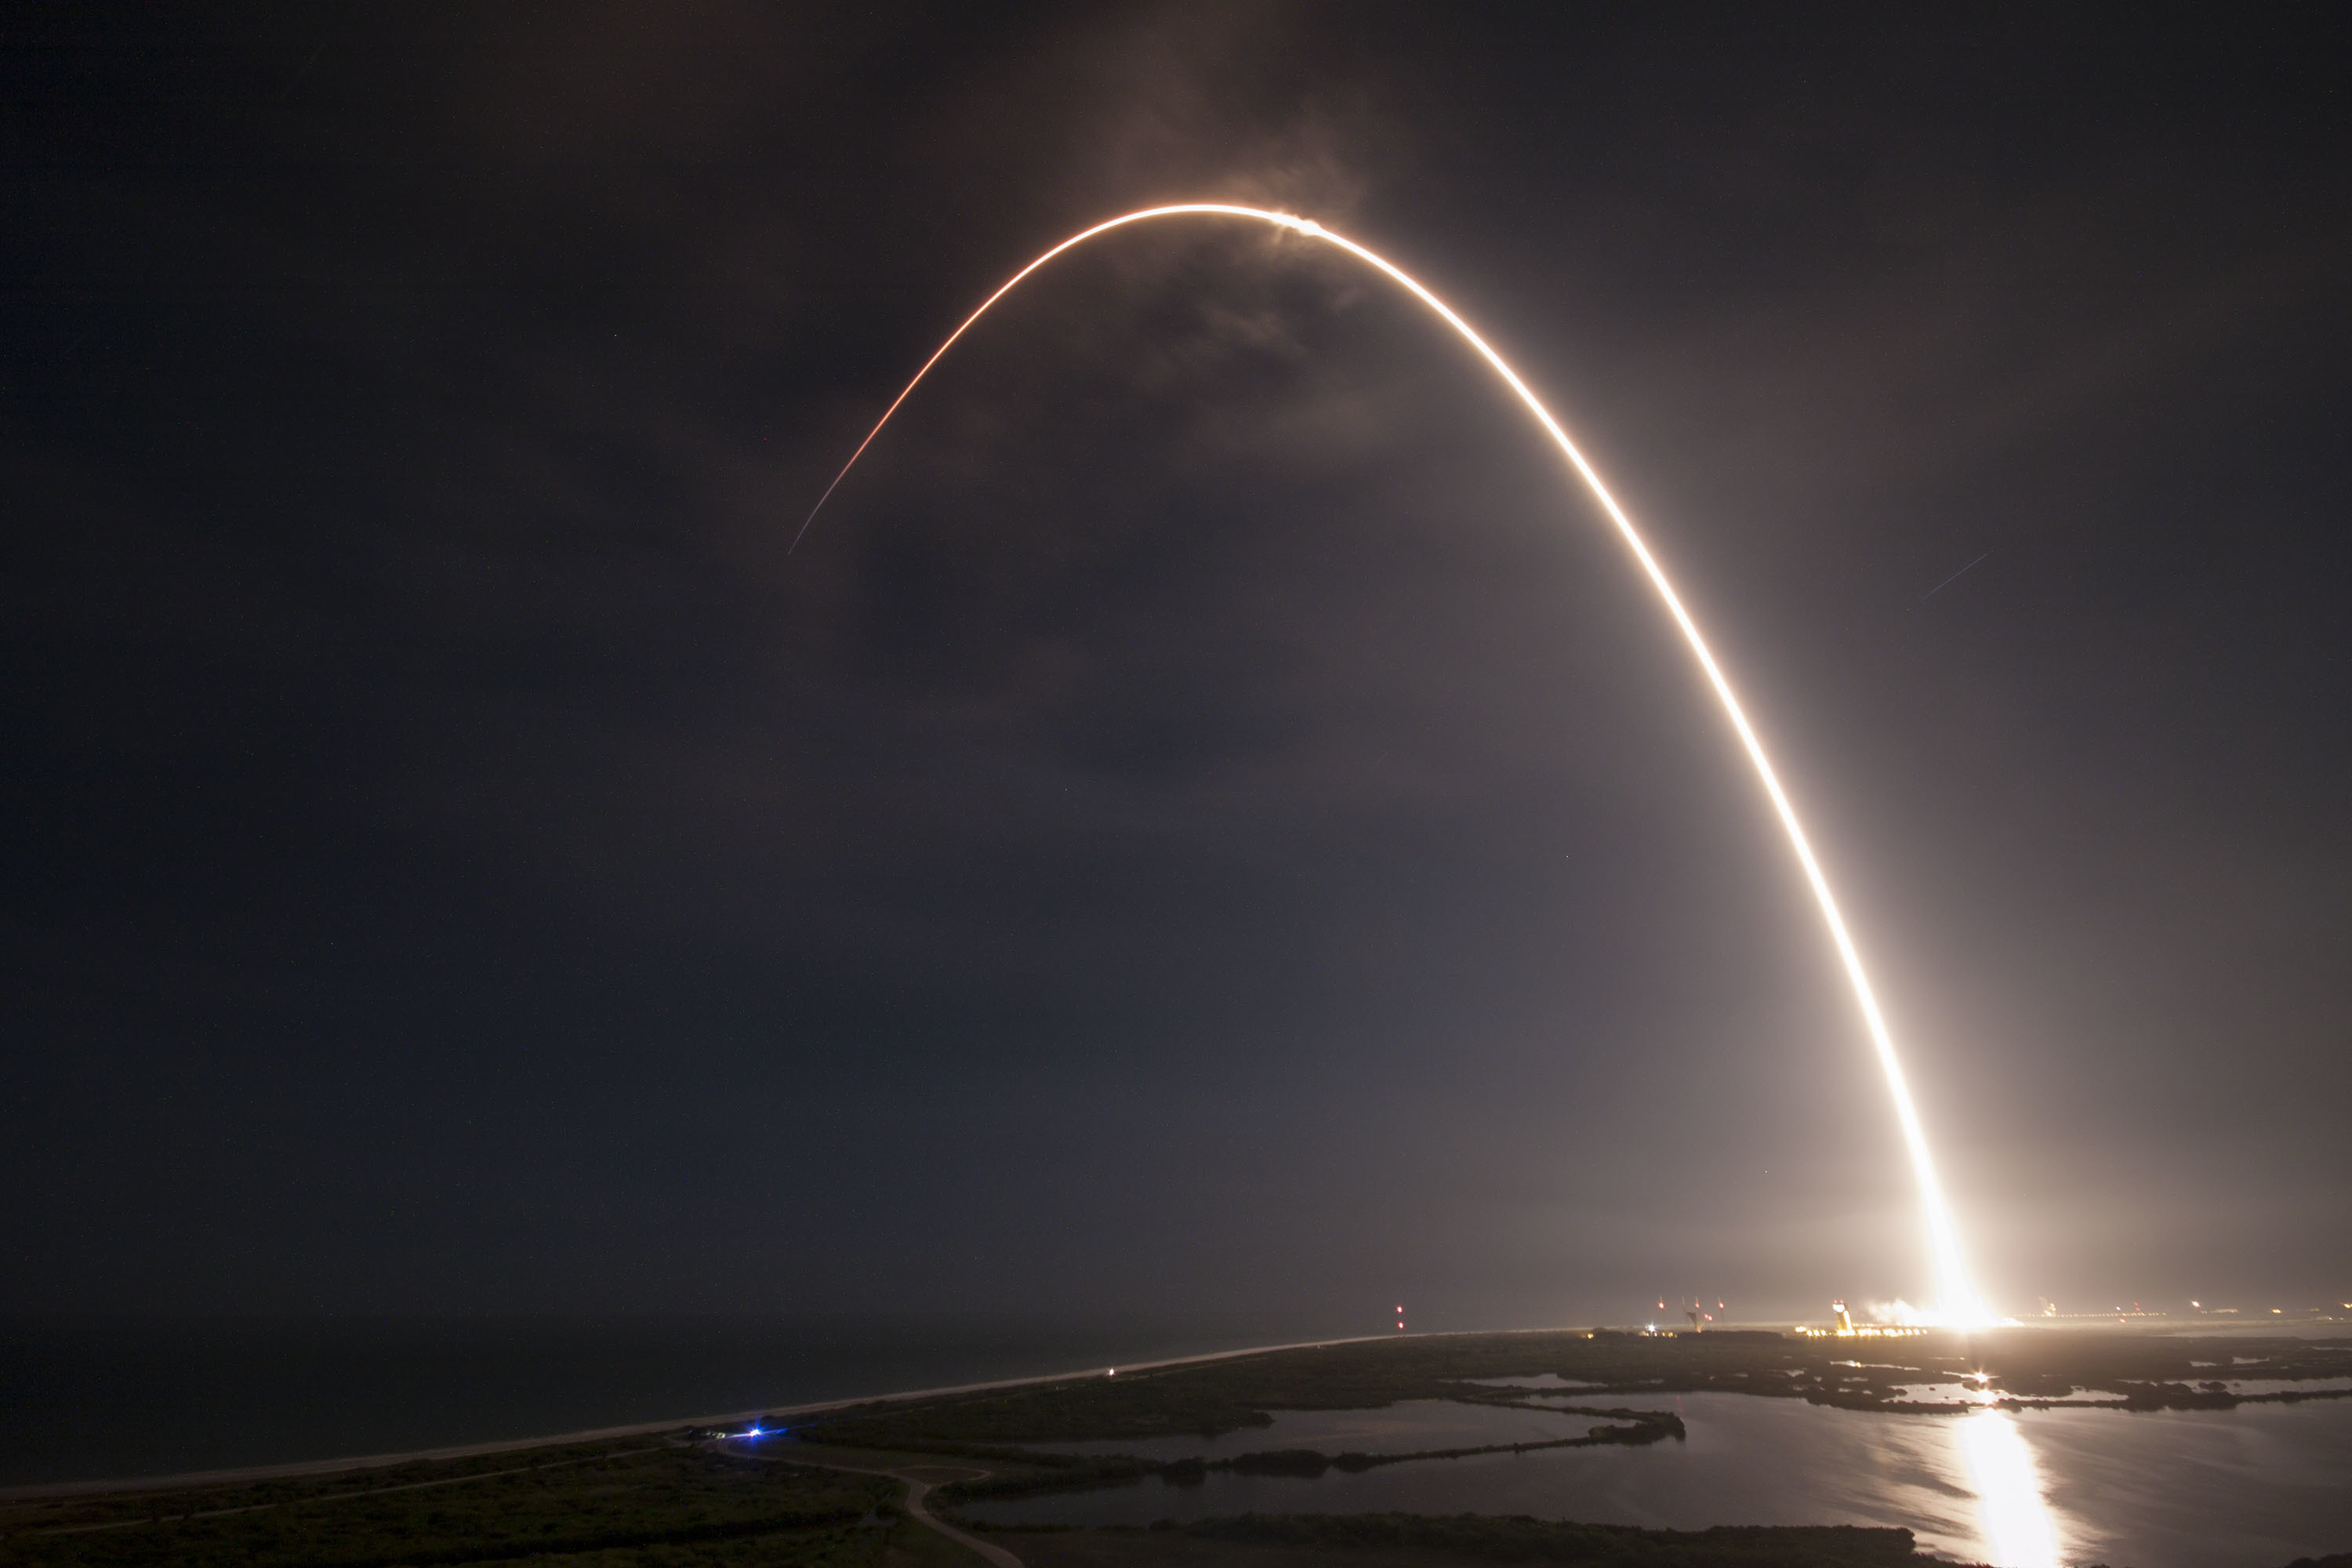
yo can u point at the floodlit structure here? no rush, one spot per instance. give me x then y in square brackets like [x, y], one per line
[1845, 1328]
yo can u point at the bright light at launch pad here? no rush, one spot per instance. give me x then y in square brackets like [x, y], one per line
[1958, 1303]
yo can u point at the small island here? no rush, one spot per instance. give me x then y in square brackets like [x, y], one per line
[877, 1483]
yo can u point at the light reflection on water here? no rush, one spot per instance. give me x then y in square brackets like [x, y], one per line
[1950, 1392]
[2249, 1488]
[2012, 1515]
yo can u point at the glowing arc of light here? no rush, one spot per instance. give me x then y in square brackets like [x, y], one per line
[1958, 1301]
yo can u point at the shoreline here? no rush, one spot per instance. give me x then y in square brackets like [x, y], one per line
[249, 1473]
[235, 1475]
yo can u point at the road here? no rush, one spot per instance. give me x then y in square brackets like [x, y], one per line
[921, 1480]
[917, 1491]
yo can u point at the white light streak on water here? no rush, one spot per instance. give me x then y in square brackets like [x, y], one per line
[2014, 1518]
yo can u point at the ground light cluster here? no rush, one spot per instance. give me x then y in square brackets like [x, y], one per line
[1958, 1301]
[849, 1485]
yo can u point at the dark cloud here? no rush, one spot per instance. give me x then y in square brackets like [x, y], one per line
[1206, 818]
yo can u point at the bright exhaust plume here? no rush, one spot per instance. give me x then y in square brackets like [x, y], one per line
[1958, 1303]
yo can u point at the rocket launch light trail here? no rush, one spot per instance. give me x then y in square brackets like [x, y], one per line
[1958, 1303]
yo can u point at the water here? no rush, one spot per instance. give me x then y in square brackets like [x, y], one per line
[1408, 1426]
[1958, 1395]
[128, 1397]
[2250, 1488]
[1961, 1394]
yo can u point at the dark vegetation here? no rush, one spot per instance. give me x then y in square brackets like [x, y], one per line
[1419, 1540]
[824, 1499]
[2028, 1368]
[2133, 1371]
[1518, 1539]
[1047, 1472]
[663, 1504]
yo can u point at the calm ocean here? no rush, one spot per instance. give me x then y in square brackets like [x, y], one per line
[89, 1399]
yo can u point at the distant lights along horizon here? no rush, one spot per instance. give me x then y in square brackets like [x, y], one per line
[1958, 1301]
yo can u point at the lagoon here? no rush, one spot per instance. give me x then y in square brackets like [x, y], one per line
[2253, 1487]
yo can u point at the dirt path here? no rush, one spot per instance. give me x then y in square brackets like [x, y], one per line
[917, 1491]
[921, 1479]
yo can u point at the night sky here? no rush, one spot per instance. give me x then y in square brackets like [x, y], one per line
[1208, 821]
